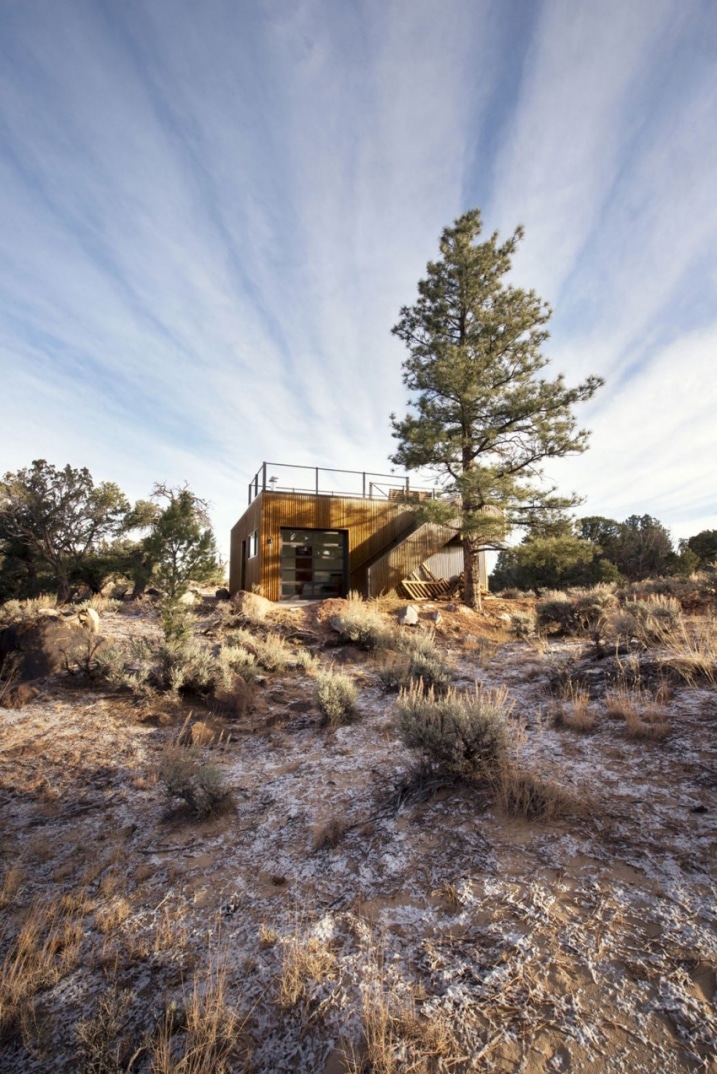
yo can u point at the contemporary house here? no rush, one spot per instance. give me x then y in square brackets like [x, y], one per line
[312, 533]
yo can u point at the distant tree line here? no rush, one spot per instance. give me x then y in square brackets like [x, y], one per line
[595, 549]
[60, 531]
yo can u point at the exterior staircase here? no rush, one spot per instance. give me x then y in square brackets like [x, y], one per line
[389, 569]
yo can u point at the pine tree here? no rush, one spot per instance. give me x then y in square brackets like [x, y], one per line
[481, 415]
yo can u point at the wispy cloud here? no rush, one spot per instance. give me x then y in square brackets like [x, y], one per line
[211, 214]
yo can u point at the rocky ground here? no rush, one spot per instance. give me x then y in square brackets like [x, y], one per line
[342, 912]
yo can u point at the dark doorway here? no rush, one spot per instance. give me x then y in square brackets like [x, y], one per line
[314, 564]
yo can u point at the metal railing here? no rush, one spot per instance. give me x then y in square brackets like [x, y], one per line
[322, 481]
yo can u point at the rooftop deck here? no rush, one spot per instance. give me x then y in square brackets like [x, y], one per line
[320, 481]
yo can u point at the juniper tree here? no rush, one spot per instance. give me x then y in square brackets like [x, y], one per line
[57, 520]
[481, 415]
[181, 546]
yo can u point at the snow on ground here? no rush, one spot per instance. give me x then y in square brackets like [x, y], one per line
[587, 942]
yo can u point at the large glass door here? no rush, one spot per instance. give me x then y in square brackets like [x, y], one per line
[314, 564]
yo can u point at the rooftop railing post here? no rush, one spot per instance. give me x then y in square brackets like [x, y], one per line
[363, 485]
[317, 481]
[263, 477]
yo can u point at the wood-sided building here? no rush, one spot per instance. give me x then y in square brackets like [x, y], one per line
[312, 533]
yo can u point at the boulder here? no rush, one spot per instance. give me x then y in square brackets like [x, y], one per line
[89, 619]
[408, 616]
[252, 605]
[18, 696]
[223, 593]
[188, 598]
[44, 646]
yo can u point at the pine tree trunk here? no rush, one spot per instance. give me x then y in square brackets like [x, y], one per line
[471, 568]
[63, 586]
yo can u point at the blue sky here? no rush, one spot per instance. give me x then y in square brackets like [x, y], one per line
[211, 214]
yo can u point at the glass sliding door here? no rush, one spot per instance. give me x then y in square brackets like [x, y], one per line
[314, 564]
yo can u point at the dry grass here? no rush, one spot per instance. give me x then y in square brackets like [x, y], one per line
[213, 1033]
[644, 717]
[573, 711]
[18, 611]
[268, 936]
[112, 914]
[170, 933]
[522, 793]
[11, 884]
[396, 1038]
[305, 959]
[105, 1046]
[692, 652]
[45, 950]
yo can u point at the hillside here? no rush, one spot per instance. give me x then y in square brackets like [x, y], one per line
[349, 906]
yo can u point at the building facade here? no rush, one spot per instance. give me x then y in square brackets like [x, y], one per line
[310, 533]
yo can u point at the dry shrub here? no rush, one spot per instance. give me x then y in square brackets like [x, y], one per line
[271, 652]
[425, 663]
[177, 664]
[362, 624]
[576, 611]
[336, 696]
[251, 608]
[461, 733]
[401, 670]
[327, 834]
[651, 621]
[19, 611]
[692, 652]
[105, 1046]
[682, 589]
[481, 648]
[644, 717]
[523, 624]
[200, 786]
[305, 959]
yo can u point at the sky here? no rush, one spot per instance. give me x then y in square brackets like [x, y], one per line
[212, 213]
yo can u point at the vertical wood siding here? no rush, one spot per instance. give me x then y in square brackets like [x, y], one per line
[250, 521]
[390, 570]
[382, 537]
[371, 526]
